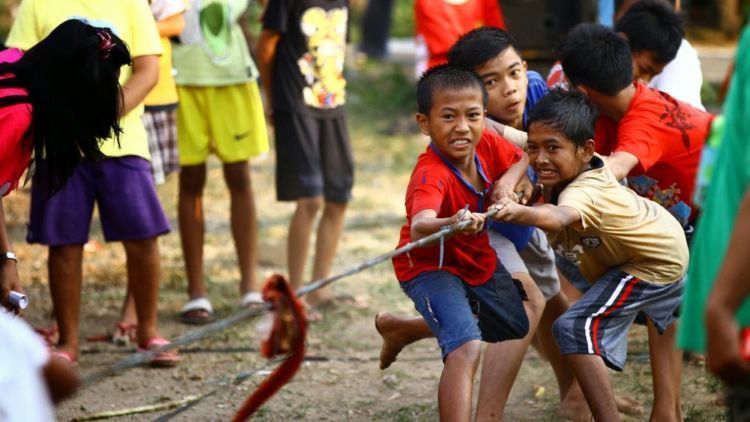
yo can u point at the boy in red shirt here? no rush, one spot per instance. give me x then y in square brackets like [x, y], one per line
[459, 288]
[647, 135]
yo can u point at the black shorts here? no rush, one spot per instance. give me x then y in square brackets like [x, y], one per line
[313, 157]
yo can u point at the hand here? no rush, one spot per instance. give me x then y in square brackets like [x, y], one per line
[9, 281]
[508, 210]
[723, 346]
[527, 191]
[501, 191]
[476, 221]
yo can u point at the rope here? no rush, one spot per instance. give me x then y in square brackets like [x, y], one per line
[138, 359]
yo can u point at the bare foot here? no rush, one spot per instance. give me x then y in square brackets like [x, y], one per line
[574, 407]
[628, 406]
[386, 324]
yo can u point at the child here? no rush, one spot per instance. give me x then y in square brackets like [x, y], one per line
[121, 184]
[31, 380]
[633, 250]
[647, 135]
[439, 23]
[717, 286]
[458, 168]
[34, 120]
[301, 54]
[220, 111]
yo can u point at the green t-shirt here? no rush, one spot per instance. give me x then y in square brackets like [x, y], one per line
[212, 50]
[730, 181]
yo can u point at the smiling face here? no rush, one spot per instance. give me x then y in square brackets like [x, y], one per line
[504, 76]
[556, 159]
[646, 66]
[455, 123]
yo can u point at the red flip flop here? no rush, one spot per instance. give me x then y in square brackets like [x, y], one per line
[165, 359]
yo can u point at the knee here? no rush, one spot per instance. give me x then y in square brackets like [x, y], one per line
[465, 355]
[563, 329]
[237, 176]
[192, 179]
[309, 206]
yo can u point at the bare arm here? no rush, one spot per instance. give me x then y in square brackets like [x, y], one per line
[547, 217]
[426, 222]
[506, 184]
[728, 294]
[515, 136]
[141, 81]
[265, 53]
[620, 163]
[171, 26]
[8, 271]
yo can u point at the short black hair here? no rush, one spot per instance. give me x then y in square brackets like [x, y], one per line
[477, 47]
[442, 77]
[595, 56]
[653, 25]
[570, 112]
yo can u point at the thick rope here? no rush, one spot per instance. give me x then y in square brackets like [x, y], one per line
[141, 358]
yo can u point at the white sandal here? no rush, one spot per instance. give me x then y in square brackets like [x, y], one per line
[198, 304]
[251, 298]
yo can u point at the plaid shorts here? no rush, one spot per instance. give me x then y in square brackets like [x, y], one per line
[161, 126]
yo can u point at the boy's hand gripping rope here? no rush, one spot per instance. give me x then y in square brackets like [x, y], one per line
[290, 323]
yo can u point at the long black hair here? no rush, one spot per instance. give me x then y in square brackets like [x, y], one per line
[72, 80]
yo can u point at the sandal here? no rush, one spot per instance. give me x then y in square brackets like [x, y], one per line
[251, 299]
[165, 359]
[197, 312]
[124, 334]
[63, 355]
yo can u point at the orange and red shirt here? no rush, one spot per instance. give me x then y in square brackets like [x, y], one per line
[437, 185]
[667, 136]
[441, 23]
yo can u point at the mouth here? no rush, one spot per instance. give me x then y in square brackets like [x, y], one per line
[460, 142]
[546, 172]
[515, 106]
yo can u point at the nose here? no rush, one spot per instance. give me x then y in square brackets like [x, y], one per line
[509, 88]
[462, 125]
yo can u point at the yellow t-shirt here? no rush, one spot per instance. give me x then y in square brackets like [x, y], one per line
[619, 229]
[131, 20]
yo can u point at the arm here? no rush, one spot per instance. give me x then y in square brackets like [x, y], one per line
[8, 270]
[506, 184]
[265, 53]
[426, 222]
[171, 26]
[547, 217]
[728, 294]
[620, 163]
[144, 77]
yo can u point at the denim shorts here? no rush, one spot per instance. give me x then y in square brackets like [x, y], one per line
[598, 323]
[458, 312]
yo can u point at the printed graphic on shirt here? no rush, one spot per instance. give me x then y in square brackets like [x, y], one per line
[571, 254]
[669, 198]
[323, 64]
[211, 27]
[675, 117]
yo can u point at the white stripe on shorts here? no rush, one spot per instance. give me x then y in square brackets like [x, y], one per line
[589, 338]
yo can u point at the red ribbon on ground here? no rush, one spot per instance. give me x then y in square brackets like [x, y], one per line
[287, 337]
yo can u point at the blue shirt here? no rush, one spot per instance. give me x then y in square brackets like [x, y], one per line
[516, 233]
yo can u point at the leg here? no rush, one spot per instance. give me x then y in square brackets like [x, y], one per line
[666, 369]
[65, 280]
[144, 268]
[398, 333]
[191, 221]
[244, 222]
[329, 233]
[572, 402]
[457, 382]
[300, 229]
[503, 360]
[592, 375]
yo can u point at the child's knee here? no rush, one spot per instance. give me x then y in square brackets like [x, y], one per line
[563, 330]
[465, 354]
[310, 206]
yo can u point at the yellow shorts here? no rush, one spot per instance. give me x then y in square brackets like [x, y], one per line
[226, 120]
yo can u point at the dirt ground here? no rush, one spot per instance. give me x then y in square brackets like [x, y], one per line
[340, 379]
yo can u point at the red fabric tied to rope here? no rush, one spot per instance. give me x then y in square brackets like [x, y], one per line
[287, 337]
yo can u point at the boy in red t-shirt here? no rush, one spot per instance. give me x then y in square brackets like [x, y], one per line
[650, 138]
[459, 288]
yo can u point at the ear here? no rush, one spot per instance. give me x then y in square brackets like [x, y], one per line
[583, 89]
[587, 150]
[525, 65]
[422, 121]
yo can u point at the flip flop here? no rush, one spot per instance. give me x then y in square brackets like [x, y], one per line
[63, 355]
[124, 333]
[251, 299]
[197, 312]
[165, 359]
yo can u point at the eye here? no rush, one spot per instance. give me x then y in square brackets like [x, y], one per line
[552, 148]
[489, 83]
[447, 116]
[531, 148]
[515, 74]
[475, 115]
